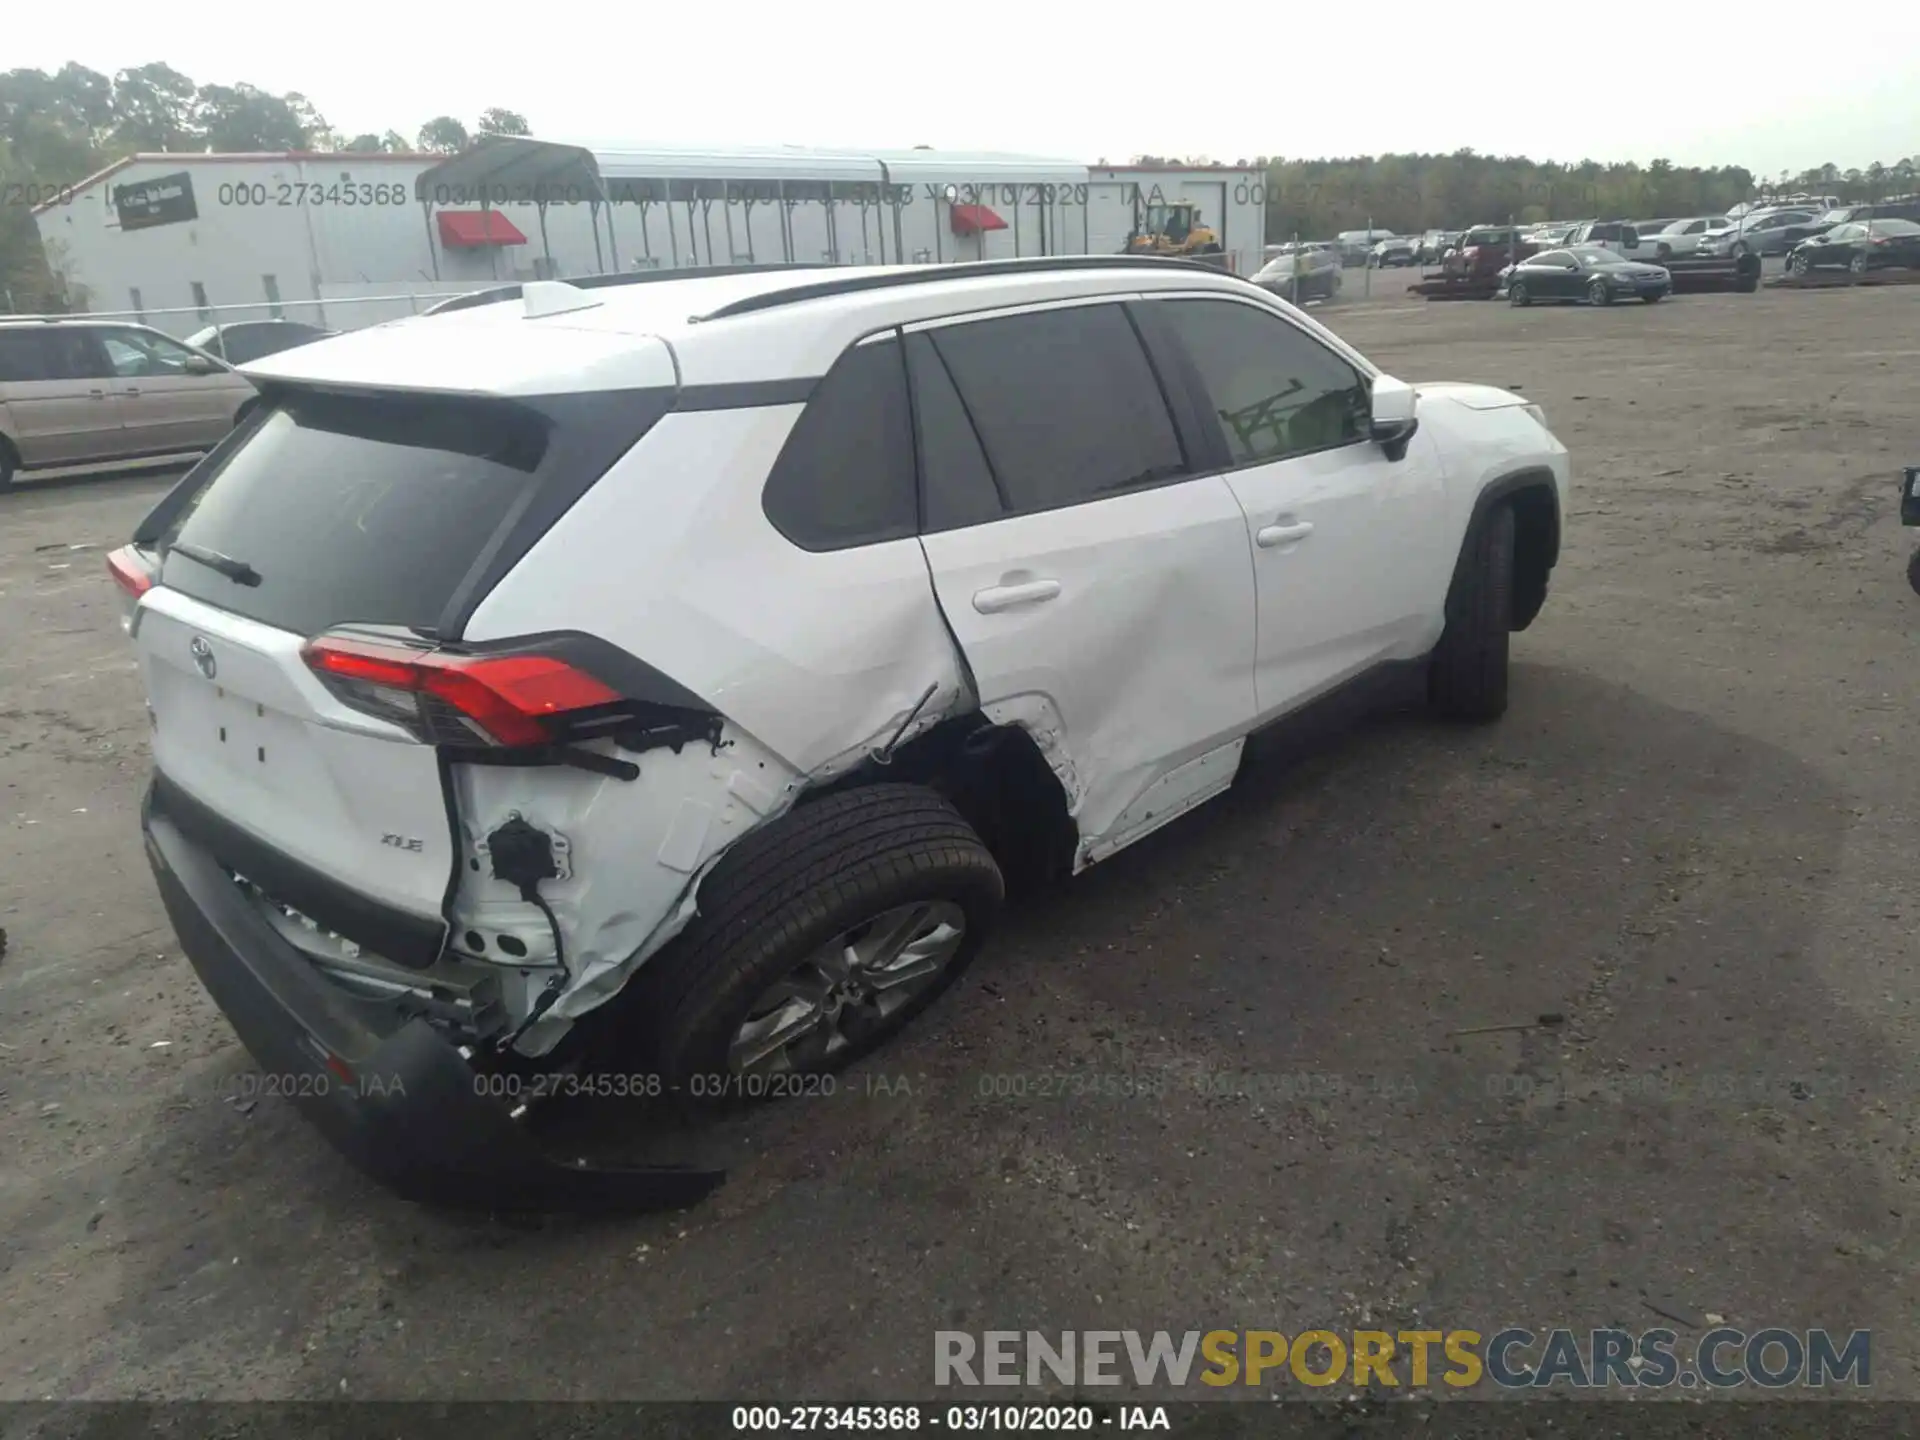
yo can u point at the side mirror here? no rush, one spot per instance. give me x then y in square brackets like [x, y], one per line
[200, 365]
[1392, 419]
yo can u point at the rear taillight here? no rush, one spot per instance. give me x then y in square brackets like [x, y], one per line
[510, 700]
[129, 571]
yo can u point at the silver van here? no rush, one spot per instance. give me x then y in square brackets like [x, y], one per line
[78, 392]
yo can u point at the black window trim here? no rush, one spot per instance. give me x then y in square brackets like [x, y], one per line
[1202, 412]
[802, 392]
[1007, 512]
[1184, 431]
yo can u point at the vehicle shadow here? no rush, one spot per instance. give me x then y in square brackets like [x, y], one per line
[1433, 1026]
[32, 482]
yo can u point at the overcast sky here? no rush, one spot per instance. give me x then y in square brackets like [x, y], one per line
[1696, 81]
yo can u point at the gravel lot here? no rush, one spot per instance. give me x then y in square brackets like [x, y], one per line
[1687, 838]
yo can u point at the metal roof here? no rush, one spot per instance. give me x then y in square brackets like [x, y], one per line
[517, 166]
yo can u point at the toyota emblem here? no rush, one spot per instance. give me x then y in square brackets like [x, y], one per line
[203, 659]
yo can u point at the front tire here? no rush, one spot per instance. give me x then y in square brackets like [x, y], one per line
[818, 937]
[1654, 297]
[7, 467]
[1800, 265]
[1600, 293]
[1467, 676]
[1913, 571]
[1858, 264]
[1517, 294]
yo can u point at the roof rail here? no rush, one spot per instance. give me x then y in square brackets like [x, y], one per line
[934, 274]
[595, 282]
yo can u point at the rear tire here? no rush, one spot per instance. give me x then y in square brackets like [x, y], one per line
[7, 467]
[782, 899]
[1858, 265]
[1913, 571]
[1467, 676]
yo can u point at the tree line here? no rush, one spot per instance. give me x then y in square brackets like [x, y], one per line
[1317, 199]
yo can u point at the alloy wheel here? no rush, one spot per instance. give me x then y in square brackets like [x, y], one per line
[847, 988]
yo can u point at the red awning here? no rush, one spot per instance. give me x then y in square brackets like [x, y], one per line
[467, 229]
[973, 219]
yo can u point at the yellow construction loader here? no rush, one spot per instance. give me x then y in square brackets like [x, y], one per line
[1176, 228]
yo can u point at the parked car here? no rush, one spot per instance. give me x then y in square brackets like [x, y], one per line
[1761, 232]
[75, 392]
[245, 340]
[1307, 271]
[1394, 250]
[1485, 249]
[1623, 237]
[1683, 237]
[1881, 210]
[1859, 246]
[1548, 236]
[479, 753]
[1586, 273]
[1357, 245]
[1812, 204]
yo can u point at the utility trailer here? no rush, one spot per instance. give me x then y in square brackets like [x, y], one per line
[1709, 274]
[1840, 279]
[1459, 286]
[1691, 276]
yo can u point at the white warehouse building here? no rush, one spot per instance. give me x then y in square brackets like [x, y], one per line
[346, 239]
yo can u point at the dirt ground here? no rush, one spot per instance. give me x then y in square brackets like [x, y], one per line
[1688, 838]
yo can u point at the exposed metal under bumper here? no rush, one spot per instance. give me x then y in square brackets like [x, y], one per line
[388, 1091]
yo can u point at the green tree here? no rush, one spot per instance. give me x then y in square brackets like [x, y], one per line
[241, 118]
[443, 134]
[496, 121]
[153, 109]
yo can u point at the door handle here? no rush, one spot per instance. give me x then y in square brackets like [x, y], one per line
[131, 390]
[96, 394]
[1271, 535]
[996, 598]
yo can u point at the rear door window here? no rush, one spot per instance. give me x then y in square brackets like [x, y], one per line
[845, 475]
[1067, 407]
[23, 356]
[957, 485]
[368, 510]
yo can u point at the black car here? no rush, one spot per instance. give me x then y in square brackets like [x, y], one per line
[245, 340]
[1859, 246]
[1585, 272]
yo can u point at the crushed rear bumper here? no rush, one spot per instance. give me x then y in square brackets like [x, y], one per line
[388, 1091]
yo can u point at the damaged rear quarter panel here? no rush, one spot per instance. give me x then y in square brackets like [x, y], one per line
[812, 658]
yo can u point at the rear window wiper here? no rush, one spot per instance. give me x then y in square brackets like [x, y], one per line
[238, 571]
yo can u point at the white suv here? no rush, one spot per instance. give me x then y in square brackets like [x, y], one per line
[655, 688]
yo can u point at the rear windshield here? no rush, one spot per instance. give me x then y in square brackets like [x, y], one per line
[367, 510]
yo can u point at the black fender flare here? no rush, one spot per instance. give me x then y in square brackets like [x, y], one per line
[1531, 588]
